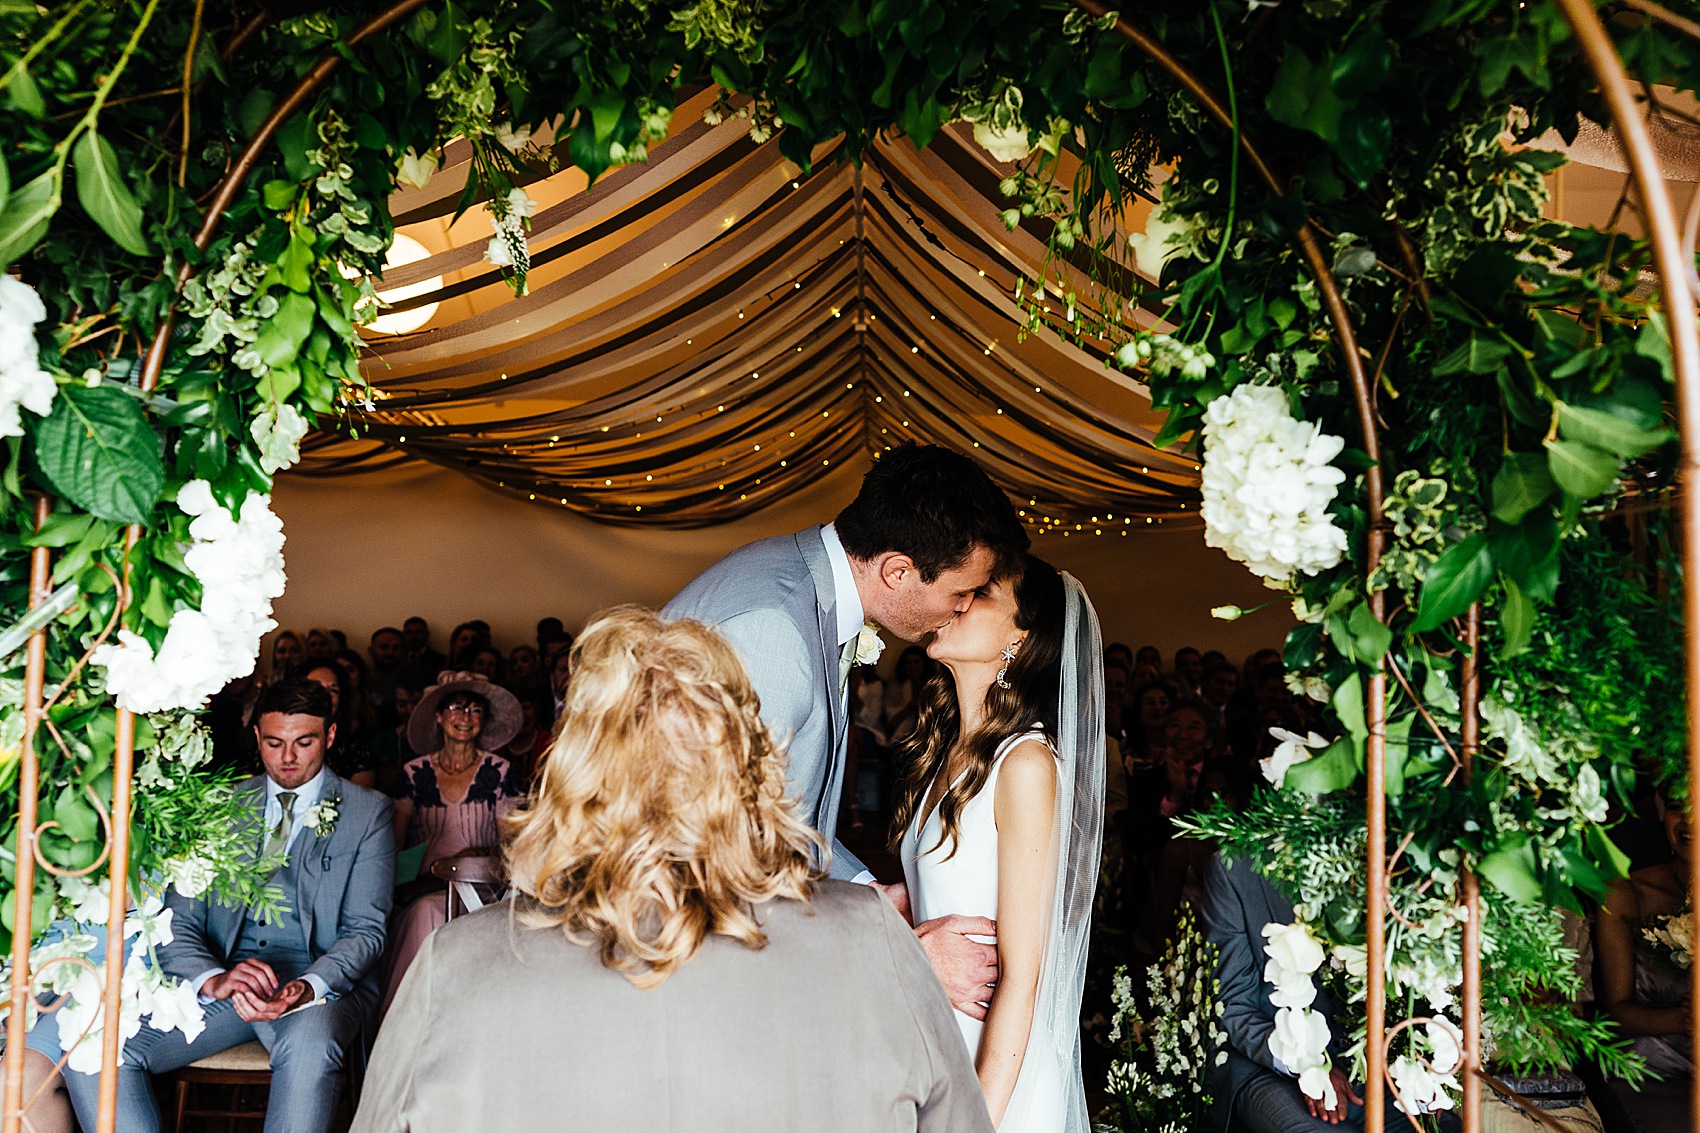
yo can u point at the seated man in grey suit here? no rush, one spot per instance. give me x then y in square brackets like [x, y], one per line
[925, 532]
[321, 951]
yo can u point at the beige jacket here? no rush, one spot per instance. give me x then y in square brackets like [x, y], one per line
[838, 1024]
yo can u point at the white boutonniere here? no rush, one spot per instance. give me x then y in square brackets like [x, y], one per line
[868, 645]
[321, 816]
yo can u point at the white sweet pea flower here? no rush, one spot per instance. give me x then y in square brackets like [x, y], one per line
[1446, 1043]
[521, 204]
[23, 383]
[415, 170]
[1163, 238]
[1293, 750]
[1293, 947]
[278, 432]
[1288, 988]
[1420, 1090]
[1004, 143]
[1316, 1083]
[513, 138]
[1300, 1039]
[87, 902]
[496, 252]
[172, 1005]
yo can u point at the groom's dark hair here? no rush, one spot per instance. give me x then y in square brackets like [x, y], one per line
[933, 505]
[296, 696]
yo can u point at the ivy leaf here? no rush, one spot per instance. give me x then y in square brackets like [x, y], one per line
[282, 335]
[1522, 484]
[1334, 770]
[99, 451]
[1348, 705]
[1517, 620]
[1582, 470]
[1512, 870]
[104, 195]
[1454, 582]
[23, 222]
[1608, 431]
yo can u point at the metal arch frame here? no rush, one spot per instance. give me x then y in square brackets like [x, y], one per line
[1670, 259]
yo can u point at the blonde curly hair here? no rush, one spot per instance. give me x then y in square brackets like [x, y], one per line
[660, 813]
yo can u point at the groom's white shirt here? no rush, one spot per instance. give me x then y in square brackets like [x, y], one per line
[851, 617]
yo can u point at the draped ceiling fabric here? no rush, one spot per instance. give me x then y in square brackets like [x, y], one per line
[712, 330]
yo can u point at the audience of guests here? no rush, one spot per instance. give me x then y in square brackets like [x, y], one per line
[288, 655]
[350, 754]
[674, 950]
[416, 637]
[449, 799]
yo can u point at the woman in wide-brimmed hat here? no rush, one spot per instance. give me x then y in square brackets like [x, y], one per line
[451, 798]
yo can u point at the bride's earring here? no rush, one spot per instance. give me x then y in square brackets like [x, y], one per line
[1008, 656]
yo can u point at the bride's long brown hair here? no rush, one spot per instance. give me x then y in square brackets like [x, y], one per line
[1030, 699]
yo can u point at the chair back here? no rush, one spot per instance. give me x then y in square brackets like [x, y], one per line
[464, 876]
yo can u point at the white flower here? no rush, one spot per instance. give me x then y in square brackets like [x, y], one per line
[1293, 750]
[415, 170]
[88, 902]
[521, 204]
[278, 432]
[1446, 1044]
[189, 874]
[1293, 947]
[1004, 143]
[172, 1005]
[513, 138]
[1300, 1039]
[1589, 798]
[1420, 1090]
[496, 252]
[23, 383]
[1227, 613]
[869, 645]
[1354, 958]
[1289, 988]
[1164, 236]
[1316, 1083]
[1267, 484]
[238, 561]
[1305, 612]
[321, 816]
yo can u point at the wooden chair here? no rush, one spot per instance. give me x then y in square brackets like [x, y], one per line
[473, 881]
[247, 1069]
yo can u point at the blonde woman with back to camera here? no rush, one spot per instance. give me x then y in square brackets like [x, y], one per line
[675, 960]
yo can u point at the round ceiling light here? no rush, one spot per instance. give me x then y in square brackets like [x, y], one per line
[406, 250]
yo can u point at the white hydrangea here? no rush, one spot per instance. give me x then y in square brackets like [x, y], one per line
[238, 561]
[23, 383]
[1267, 485]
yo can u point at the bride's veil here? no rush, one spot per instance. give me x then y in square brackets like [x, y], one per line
[1078, 831]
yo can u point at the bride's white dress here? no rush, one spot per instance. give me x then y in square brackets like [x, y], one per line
[967, 884]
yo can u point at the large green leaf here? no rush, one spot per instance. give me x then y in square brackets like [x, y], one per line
[1454, 582]
[23, 222]
[1522, 484]
[5, 181]
[1517, 620]
[1334, 770]
[1512, 870]
[1608, 431]
[26, 96]
[104, 195]
[1582, 470]
[99, 451]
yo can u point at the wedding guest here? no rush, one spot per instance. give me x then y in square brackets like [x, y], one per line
[487, 662]
[902, 693]
[288, 655]
[1121, 653]
[1148, 655]
[1145, 742]
[450, 798]
[416, 635]
[529, 743]
[388, 654]
[390, 749]
[1117, 695]
[363, 711]
[1189, 669]
[525, 671]
[674, 959]
[321, 948]
[350, 754]
[560, 675]
[321, 645]
[1221, 680]
[1643, 985]
[464, 643]
[551, 632]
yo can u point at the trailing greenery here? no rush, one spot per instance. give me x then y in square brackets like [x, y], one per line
[1519, 372]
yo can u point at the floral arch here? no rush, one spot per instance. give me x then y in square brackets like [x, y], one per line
[1350, 291]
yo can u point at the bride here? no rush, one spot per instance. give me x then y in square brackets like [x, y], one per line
[1000, 817]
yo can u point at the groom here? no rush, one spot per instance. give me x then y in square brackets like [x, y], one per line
[319, 951]
[927, 530]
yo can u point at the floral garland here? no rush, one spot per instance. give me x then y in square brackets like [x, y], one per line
[238, 560]
[1268, 484]
[1300, 1039]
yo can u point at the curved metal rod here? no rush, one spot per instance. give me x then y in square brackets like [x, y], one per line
[1375, 691]
[105, 850]
[1470, 994]
[1672, 262]
[65, 1048]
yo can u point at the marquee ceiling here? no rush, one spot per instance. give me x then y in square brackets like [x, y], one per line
[711, 330]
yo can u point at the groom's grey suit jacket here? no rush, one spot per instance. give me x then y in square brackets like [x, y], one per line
[342, 890]
[775, 602]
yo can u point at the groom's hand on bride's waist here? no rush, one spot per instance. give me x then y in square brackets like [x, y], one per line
[965, 966]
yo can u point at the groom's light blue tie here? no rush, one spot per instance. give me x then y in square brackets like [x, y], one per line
[846, 660]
